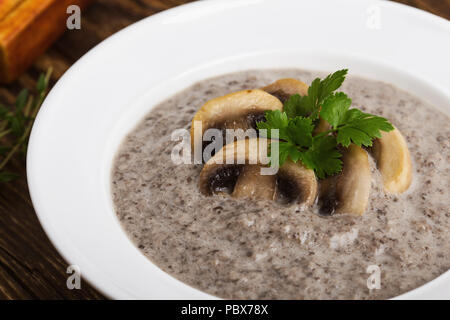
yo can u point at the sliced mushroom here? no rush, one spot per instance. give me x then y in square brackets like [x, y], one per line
[296, 183]
[252, 185]
[353, 186]
[238, 110]
[220, 174]
[236, 170]
[349, 191]
[284, 88]
[394, 161]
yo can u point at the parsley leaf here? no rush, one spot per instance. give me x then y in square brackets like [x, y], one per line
[294, 133]
[309, 105]
[313, 97]
[296, 130]
[300, 106]
[332, 82]
[334, 108]
[293, 107]
[287, 149]
[323, 157]
[352, 125]
[361, 128]
[275, 119]
[299, 131]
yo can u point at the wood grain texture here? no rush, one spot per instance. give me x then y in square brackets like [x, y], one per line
[20, 44]
[30, 267]
[437, 7]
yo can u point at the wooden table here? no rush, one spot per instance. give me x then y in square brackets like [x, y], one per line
[30, 267]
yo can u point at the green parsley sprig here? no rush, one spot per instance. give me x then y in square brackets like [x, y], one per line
[300, 116]
[16, 123]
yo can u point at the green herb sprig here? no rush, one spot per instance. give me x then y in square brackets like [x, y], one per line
[300, 116]
[16, 123]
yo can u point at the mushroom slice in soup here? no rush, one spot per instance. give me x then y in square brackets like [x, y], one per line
[284, 88]
[238, 110]
[296, 184]
[252, 184]
[349, 191]
[393, 160]
[236, 170]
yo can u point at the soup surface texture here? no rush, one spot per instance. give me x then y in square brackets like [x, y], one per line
[243, 249]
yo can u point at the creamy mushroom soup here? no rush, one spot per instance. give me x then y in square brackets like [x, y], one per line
[261, 249]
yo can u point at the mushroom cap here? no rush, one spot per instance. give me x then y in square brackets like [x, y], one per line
[353, 185]
[393, 160]
[229, 161]
[294, 182]
[251, 184]
[284, 88]
[348, 192]
[302, 183]
[231, 111]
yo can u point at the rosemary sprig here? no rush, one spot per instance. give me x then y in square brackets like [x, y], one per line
[16, 123]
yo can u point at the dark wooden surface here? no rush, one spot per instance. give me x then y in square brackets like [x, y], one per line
[30, 267]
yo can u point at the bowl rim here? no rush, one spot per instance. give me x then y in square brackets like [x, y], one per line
[161, 18]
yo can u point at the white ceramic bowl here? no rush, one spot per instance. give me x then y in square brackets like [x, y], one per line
[106, 93]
